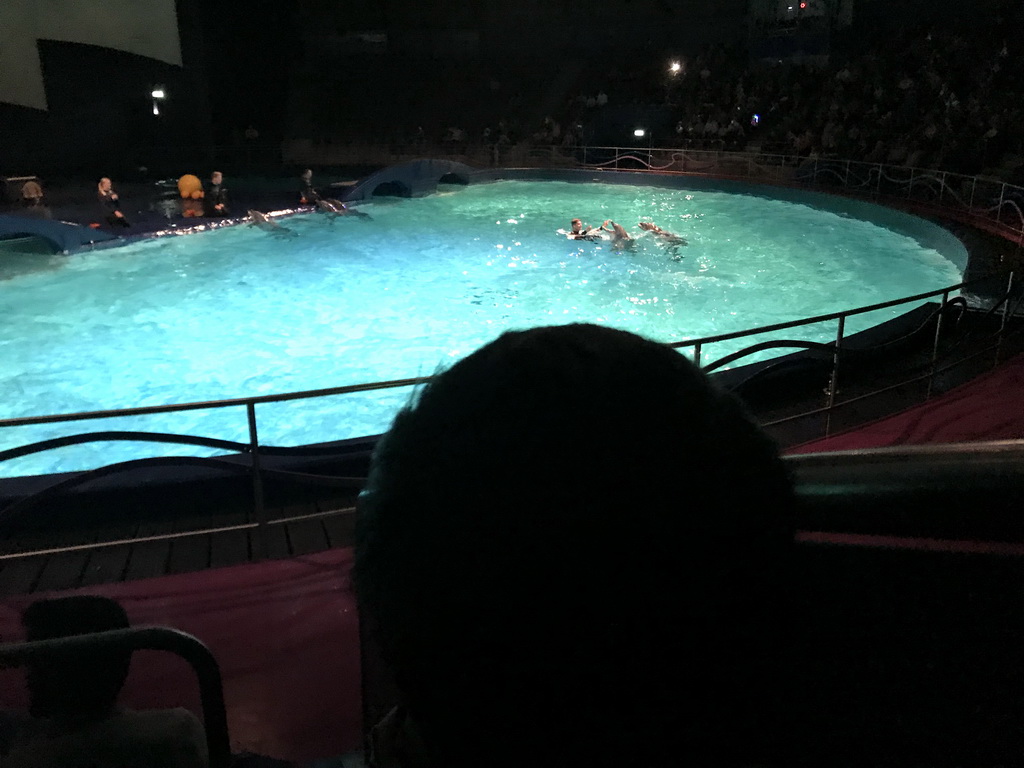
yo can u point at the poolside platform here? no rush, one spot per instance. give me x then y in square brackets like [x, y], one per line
[71, 218]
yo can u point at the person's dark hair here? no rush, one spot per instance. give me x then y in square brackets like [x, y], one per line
[570, 551]
[82, 684]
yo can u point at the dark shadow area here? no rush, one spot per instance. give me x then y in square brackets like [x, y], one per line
[391, 189]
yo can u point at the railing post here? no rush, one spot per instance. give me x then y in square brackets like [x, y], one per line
[974, 186]
[834, 383]
[696, 354]
[878, 182]
[942, 186]
[1005, 318]
[910, 185]
[935, 346]
[257, 484]
[846, 178]
[999, 210]
[815, 170]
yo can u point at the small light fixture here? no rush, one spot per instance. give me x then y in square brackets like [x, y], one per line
[674, 67]
[158, 93]
[639, 133]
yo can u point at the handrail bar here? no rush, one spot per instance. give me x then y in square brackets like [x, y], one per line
[189, 648]
[398, 383]
[22, 421]
[812, 320]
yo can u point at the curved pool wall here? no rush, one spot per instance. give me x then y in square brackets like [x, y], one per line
[926, 233]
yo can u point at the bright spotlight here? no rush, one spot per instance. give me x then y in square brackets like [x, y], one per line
[158, 93]
[674, 67]
[639, 133]
[156, 109]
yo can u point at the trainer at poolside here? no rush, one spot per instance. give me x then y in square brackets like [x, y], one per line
[307, 193]
[216, 199]
[110, 204]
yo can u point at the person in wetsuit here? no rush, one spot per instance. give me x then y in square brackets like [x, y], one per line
[216, 200]
[110, 204]
[307, 193]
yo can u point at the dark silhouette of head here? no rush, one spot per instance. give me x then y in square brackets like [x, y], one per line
[78, 685]
[571, 551]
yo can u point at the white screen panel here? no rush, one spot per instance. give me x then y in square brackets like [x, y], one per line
[143, 27]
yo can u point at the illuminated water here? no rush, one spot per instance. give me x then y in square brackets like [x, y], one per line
[238, 312]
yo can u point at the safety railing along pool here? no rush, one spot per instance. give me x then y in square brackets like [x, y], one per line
[981, 201]
[984, 202]
[837, 350]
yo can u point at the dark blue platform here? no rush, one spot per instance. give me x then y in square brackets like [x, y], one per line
[63, 236]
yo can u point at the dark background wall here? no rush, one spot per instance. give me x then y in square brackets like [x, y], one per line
[100, 116]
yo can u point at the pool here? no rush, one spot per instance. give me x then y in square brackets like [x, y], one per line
[239, 312]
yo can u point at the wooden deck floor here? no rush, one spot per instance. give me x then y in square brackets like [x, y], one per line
[101, 541]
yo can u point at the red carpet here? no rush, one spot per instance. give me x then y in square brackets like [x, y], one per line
[987, 408]
[285, 634]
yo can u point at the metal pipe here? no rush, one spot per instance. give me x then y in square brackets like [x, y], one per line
[257, 484]
[935, 346]
[1004, 320]
[834, 383]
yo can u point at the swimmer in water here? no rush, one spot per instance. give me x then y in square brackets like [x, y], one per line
[669, 237]
[579, 231]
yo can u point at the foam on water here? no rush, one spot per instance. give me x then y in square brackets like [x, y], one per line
[237, 312]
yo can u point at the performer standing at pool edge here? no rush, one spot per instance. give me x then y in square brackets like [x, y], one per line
[110, 204]
[217, 198]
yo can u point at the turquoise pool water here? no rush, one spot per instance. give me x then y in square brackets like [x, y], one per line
[238, 312]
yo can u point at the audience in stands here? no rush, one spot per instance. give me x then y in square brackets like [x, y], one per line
[73, 701]
[572, 550]
[930, 98]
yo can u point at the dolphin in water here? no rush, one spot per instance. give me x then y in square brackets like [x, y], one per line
[267, 224]
[334, 208]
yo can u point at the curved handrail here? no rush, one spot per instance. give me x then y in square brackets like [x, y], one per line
[306, 394]
[189, 648]
[827, 346]
[414, 381]
[878, 180]
[817, 318]
[163, 437]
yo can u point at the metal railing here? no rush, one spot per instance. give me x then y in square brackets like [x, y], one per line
[952, 192]
[989, 203]
[254, 448]
[192, 650]
[992, 204]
